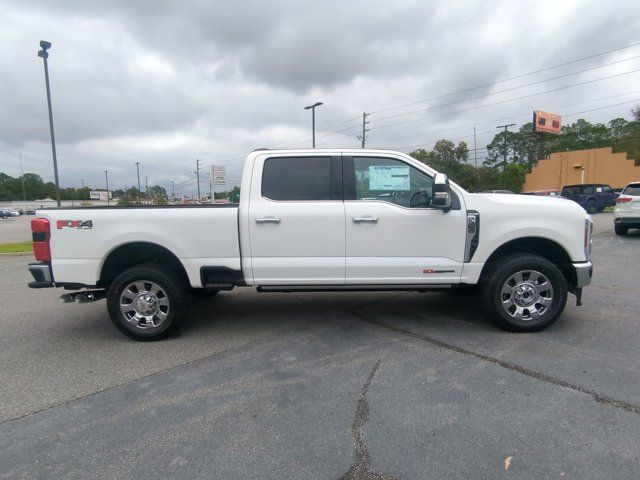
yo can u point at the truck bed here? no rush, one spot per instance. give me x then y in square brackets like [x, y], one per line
[199, 235]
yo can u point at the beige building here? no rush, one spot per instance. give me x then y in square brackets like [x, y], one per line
[597, 165]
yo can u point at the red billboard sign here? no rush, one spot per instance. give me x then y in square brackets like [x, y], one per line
[545, 122]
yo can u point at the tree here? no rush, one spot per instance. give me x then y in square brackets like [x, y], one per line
[451, 159]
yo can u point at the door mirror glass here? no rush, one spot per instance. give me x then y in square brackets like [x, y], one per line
[441, 192]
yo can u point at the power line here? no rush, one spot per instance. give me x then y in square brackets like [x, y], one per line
[509, 100]
[578, 60]
[503, 91]
[512, 116]
[493, 131]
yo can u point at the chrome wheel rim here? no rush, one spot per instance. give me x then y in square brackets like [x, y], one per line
[144, 305]
[526, 295]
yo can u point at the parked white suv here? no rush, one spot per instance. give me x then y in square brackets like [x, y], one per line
[627, 211]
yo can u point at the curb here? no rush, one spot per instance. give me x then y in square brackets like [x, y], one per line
[16, 254]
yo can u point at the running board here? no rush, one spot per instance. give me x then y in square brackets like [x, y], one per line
[350, 288]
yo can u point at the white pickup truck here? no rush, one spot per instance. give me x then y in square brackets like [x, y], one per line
[320, 220]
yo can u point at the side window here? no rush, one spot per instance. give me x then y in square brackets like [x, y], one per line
[607, 189]
[392, 181]
[590, 189]
[297, 178]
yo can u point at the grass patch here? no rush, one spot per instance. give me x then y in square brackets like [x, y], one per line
[17, 247]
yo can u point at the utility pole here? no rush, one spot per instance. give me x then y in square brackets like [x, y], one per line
[475, 155]
[173, 192]
[363, 137]
[82, 181]
[24, 195]
[504, 156]
[197, 172]
[44, 55]
[146, 187]
[138, 170]
[106, 178]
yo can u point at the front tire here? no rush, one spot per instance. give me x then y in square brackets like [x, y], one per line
[146, 302]
[621, 230]
[524, 292]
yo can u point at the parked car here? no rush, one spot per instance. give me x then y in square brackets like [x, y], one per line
[544, 193]
[593, 197]
[627, 211]
[316, 220]
[498, 191]
[4, 213]
[30, 211]
[15, 213]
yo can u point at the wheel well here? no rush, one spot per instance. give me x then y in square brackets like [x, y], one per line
[543, 247]
[130, 254]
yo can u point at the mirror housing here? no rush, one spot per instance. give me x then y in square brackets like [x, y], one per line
[441, 192]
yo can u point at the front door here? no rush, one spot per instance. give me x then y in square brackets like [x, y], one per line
[393, 236]
[296, 221]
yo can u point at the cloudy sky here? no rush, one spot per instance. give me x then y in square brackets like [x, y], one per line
[165, 83]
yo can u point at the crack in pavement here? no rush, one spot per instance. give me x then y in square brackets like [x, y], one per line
[598, 397]
[359, 470]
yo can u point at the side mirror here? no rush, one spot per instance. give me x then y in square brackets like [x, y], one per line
[441, 192]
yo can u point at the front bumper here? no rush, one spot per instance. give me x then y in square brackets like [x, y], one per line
[42, 276]
[584, 272]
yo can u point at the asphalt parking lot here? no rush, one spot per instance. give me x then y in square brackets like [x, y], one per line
[350, 385]
[15, 229]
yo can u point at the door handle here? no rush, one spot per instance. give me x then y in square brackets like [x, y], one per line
[268, 220]
[365, 219]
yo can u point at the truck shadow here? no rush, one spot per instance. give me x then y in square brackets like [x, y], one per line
[244, 309]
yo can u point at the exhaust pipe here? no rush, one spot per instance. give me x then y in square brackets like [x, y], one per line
[83, 297]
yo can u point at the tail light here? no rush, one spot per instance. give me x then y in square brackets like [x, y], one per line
[41, 233]
[623, 199]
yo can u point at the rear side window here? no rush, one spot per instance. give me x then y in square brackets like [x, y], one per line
[588, 189]
[297, 178]
[574, 190]
[632, 189]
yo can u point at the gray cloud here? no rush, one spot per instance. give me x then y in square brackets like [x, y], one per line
[165, 83]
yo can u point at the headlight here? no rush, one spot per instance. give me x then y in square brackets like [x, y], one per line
[588, 232]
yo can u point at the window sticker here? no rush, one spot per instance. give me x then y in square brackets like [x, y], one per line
[383, 177]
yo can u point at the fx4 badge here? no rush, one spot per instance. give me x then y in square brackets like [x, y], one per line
[82, 224]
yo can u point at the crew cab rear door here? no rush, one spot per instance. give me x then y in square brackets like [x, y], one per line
[296, 220]
[393, 235]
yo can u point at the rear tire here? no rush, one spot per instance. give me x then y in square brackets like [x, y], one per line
[621, 230]
[524, 292]
[147, 301]
[592, 206]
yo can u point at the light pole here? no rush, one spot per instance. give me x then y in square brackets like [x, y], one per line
[106, 177]
[504, 155]
[313, 121]
[44, 55]
[197, 172]
[138, 170]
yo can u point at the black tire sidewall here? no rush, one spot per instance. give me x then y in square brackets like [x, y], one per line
[167, 280]
[620, 230]
[517, 263]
